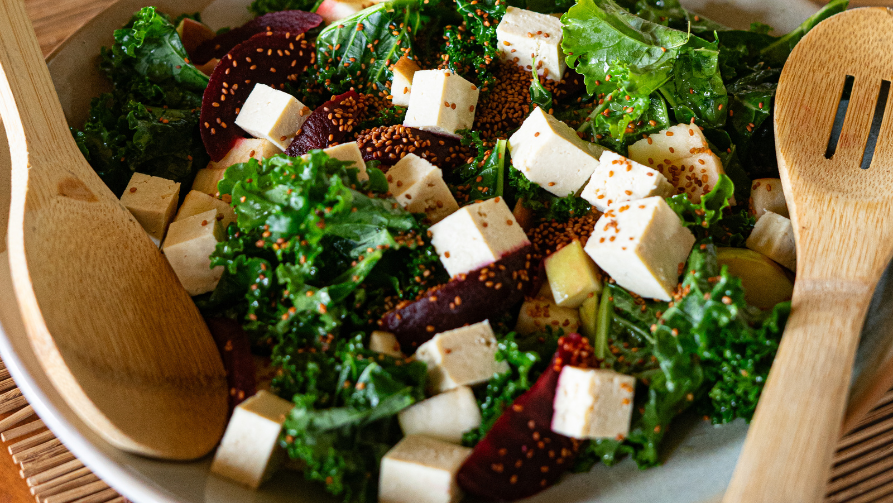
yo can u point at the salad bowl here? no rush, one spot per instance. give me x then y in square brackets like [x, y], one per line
[700, 458]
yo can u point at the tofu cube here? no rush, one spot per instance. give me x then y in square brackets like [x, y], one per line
[550, 153]
[681, 153]
[537, 314]
[517, 45]
[198, 202]
[573, 276]
[401, 85]
[206, 180]
[153, 202]
[618, 180]
[386, 343]
[272, 115]
[462, 357]
[421, 470]
[477, 235]
[245, 150]
[419, 187]
[188, 248]
[349, 152]
[446, 416]
[773, 236]
[249, 452]
[643, 246]
[593, 403]
[766, 194]
[441, 102]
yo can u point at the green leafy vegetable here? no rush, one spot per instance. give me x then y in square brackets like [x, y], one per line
[344, 422]
[471, 48]
[545, 206]
[357, 52]
[484, 177]
[149, 123]
[539, 95]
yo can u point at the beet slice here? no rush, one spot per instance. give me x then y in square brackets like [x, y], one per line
[269, 58]
[389, 144]
[235, 351]
[521, 455]
[287, 21]
[467, 298]
[328, 124]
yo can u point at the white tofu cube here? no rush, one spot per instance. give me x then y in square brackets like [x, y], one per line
[206, 180]
[446, 416]
[198, 202]
[572, 276]
[349, 152]
[421, 470]
[550, 153]
[766, 194]
[462, 357]
[419, 187]
[773, 236]
[188, 249]
[618, 180]
[537, 314]
[441, 102]
[643, 246]
[593, 403]
[153, 202]
[681, 153]
[249, 452]
[477, 235]
[245, 150]
[523, 35]
[272, 115]
[386, 343]
[401, 85]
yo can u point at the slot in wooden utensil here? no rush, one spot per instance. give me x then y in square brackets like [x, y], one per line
[117, 334]
[842, 211]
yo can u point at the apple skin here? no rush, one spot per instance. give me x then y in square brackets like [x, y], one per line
[765, 282]
[192, 34]
[333, 10]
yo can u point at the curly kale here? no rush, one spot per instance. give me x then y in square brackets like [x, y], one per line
[545, 206]
[471, 47]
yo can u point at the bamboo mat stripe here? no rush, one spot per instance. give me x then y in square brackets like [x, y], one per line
[51, 472]
[862, 471]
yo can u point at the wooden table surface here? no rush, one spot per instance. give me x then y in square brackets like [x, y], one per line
[53, 21]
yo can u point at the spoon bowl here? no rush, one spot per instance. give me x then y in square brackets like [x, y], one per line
[117, 334]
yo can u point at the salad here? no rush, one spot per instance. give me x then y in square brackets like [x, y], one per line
[460, 247]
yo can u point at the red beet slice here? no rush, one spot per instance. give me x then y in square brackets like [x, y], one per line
[521, 455]
[328, 124]
[287, 21]
[235, 351]
[269, 58]
[390, 144]
[467, 298]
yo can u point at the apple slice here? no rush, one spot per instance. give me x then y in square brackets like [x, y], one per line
[193, 34]
[521, 455]
[269, 58]
[333, 10]
[466, 299]
[292, 22]
[765, 282]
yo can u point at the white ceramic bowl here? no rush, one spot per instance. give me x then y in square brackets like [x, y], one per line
[700, 457]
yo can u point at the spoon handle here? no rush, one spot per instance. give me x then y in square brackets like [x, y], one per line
[788, 451]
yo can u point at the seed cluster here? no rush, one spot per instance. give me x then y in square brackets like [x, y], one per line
[389, 144]
[508, 104]
[551, 236]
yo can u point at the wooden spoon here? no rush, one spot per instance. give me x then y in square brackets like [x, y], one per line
[843, 223]
[118, 335]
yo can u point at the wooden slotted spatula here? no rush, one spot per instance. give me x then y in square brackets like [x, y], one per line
[117, 334]
[838, 182]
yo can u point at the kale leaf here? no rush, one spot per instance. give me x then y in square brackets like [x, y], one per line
[149, 122]
[544, 205]
[471, 47]
[484, 177]
[358, 51]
